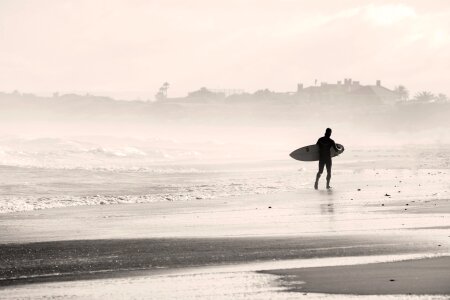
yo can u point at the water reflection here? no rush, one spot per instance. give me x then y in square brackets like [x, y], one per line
[327, 208]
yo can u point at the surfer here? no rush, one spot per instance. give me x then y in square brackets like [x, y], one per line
[325, 144]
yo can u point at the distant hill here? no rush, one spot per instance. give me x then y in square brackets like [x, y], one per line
[229, 111]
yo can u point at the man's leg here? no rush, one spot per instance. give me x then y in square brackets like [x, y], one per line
[321, 165]
[328, 164]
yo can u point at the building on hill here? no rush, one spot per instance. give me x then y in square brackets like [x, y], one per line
[228, 92]
[376, 93]
[205, 94]
[349, 91]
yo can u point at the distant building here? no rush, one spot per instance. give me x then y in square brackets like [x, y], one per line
[349, 90]
[346, 91]
[227, 92]
[376, 93]
[204, 93]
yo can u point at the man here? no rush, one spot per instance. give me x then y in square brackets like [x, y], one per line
[325, 144]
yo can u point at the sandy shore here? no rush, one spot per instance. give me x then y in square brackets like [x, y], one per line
[420, 277]
[81, 259]
[63, 249]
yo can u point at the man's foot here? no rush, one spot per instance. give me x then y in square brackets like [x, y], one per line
[316, 185]
[329, 187]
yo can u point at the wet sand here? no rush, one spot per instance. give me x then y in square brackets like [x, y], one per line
[358, 219]
[87, 259]
[420, 277]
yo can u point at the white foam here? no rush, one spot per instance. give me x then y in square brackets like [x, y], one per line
[162, 183]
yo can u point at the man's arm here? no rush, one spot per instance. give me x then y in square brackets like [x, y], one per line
[335, 147]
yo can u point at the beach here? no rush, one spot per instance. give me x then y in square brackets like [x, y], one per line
[282, 241]
[173, 150]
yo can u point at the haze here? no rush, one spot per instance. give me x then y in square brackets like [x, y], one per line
[126, 49]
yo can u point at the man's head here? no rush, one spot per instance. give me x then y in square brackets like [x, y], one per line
[328, 132]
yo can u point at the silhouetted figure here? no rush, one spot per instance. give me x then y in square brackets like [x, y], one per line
[325, 144]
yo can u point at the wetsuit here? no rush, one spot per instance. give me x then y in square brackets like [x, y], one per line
[325, 144]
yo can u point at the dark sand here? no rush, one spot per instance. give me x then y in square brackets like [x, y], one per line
[84, 259]
[419, 277]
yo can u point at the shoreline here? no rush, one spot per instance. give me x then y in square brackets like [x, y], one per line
[413, 276]
[427, 276]
[91, 259]
[103, 188]
[149, 247]
[301, 213]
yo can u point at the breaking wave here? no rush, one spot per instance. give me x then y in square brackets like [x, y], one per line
[117, 154]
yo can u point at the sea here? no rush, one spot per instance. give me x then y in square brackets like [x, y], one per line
[40, 173]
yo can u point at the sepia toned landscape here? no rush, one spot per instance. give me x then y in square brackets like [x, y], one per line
[144, 150]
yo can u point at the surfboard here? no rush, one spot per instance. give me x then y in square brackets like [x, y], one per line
[311, 153]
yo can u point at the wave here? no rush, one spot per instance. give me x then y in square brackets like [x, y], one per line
[25, 203]
[67, 154]
[119, 153]
[26, 191]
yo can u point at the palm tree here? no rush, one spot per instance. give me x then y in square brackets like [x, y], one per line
[424, 96]
[441, 98]
[165, 86]
[162, 93]
[402, 92]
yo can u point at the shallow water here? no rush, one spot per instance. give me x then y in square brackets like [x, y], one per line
[47, 183]
[37, 188]
[227, 282]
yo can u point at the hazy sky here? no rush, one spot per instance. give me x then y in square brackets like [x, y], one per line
[127, 48]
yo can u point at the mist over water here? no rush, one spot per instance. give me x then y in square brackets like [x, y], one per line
[69, 131]
[79, 150]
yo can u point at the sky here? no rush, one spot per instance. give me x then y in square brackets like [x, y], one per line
[128, 48]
